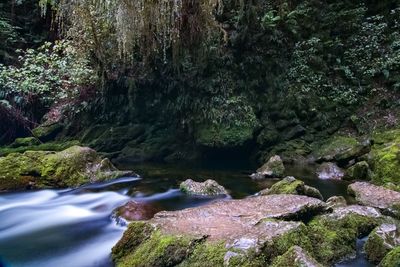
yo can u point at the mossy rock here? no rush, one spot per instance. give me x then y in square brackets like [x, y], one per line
[295, 257]
[48, 146]
[392, 259]
[387, 164]
[383, 239]
[334, 236]
[46, 132]
[291, 185]
[43, 169]
[359, 171]
[25, 142]
[334, 147]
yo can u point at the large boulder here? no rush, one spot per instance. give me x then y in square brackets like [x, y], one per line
[226, 232]
[383, 239]
[376, 196]
[48, 131]
[291, 185]
[341, 149]
[272, 168]
[329, 171]
[43, 169]
[207, 188]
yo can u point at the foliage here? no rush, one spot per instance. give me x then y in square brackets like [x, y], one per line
[45, 76]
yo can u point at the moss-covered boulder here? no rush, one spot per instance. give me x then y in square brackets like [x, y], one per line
[24, 142]
[48, 146]
[387, 164]
[340, 149]
[376, 196]
[392, 259]
[272, 168]
[334, 235]
[295, 257]
[383, 239]
[359, 171]
[291, 185]
[207, 188]
[42, 169]
[47, 131]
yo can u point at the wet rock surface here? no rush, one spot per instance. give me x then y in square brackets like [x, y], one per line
[207, 188]
[234, 219]
[137, 211]
[376, 196]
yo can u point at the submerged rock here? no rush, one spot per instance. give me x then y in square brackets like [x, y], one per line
[43, 169]
[329, 170]
[136, 211]
[207, 188]
[295, 257]
[376, 196]
[291, 185]
[273, 168]
[230, 232]
[383, 239]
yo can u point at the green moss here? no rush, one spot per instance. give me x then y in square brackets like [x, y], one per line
[24, 142]
[49, 146]
[283, 243]
[158, 250]
[136, 233]
[332, 147]
[288, 185]
[392, 259]
[290, 259]
[211, 254]
[387, 164]
[375, 248]
[334, 239]
[47, 132]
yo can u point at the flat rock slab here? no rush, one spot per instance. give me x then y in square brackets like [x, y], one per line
[240, 221]
[375, 196]
[341, 212]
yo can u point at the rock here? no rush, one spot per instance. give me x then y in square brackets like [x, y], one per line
[43, 169]
[376, 196]
[27, 141]
[291, 185]
[295, 257]
[383, 239]
[341, 149]
[47, 132]
[392, 259]
[336, 202]
[329, 170]
[136, 211]
[334, 234]
[207, 188]
[295, 132]
[230, 232]
[273, 168]
[387, 164]
[359, 171]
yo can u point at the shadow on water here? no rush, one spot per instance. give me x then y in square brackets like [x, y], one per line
[75, 227]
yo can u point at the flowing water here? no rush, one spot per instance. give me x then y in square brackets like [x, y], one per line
[76, 227]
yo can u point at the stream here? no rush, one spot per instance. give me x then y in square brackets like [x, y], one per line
[76, 227]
